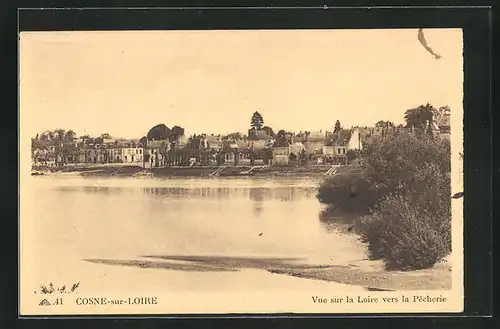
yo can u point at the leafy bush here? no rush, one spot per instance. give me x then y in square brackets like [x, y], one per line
[351, 155]
[411, 226]
[347, 193]
[405, 237]
[391, 162]
[405, 194]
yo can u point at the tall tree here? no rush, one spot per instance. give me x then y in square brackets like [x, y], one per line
[384, 124]
[420, 117]
[59, 134]
[337, 127]
[233, 136]
[257, 121]
[176, 132]
[106, 136]
[70, 135]
[441, 112]
[268, 130]
[281, 139]
[158, 132]
[47, 136]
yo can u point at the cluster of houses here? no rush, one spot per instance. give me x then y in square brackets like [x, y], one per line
[260, 148]
[78, 151]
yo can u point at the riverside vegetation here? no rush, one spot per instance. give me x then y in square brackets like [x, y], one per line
[402, 196]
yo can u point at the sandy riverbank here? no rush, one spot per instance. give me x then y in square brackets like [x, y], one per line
[372, 276]
[369, 275]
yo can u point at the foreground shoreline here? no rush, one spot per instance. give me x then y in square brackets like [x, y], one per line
[438, 278]
[367, 274]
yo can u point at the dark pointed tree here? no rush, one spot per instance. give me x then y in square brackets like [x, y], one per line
[257, 121]
[337, 127]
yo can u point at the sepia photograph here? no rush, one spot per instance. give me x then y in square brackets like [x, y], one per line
[241, 171]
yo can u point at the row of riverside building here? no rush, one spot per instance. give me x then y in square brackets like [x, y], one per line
[318, 147]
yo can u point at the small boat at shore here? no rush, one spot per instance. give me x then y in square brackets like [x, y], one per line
[143, 173]
[38, 173]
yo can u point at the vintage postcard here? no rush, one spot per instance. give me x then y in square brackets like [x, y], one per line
[249, 171]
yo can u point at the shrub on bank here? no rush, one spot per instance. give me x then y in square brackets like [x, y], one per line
[405, 194]
[405, 237]
[347, 194]
[392, 162]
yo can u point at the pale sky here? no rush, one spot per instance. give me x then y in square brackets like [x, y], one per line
[125, 82]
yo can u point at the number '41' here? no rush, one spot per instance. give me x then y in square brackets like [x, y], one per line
[59, 301]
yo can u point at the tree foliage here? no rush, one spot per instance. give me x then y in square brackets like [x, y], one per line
[176, 132]
[158, 133]
[405, 237]
[404, 192]
[352, 155]
[57, 136]
[391, 162]
[337, 127]
[384, 124]
[419, 117]
[257, 121]
[233, 136]
[269, 131]
[281, 139]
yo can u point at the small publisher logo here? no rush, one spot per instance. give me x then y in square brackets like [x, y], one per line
[44, 303]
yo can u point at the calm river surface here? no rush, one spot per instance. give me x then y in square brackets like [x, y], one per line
[67, 219]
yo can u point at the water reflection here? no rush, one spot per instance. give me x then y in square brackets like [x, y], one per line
[257, 194]
[106, 190]
[331, 220]
[335, 221]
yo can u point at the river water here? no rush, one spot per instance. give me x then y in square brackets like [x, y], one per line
[66, 220]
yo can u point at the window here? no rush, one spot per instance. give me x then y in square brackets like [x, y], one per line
[140, 151]
[136, 151]
[343, 151]
[338, 151]
[125, 157]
